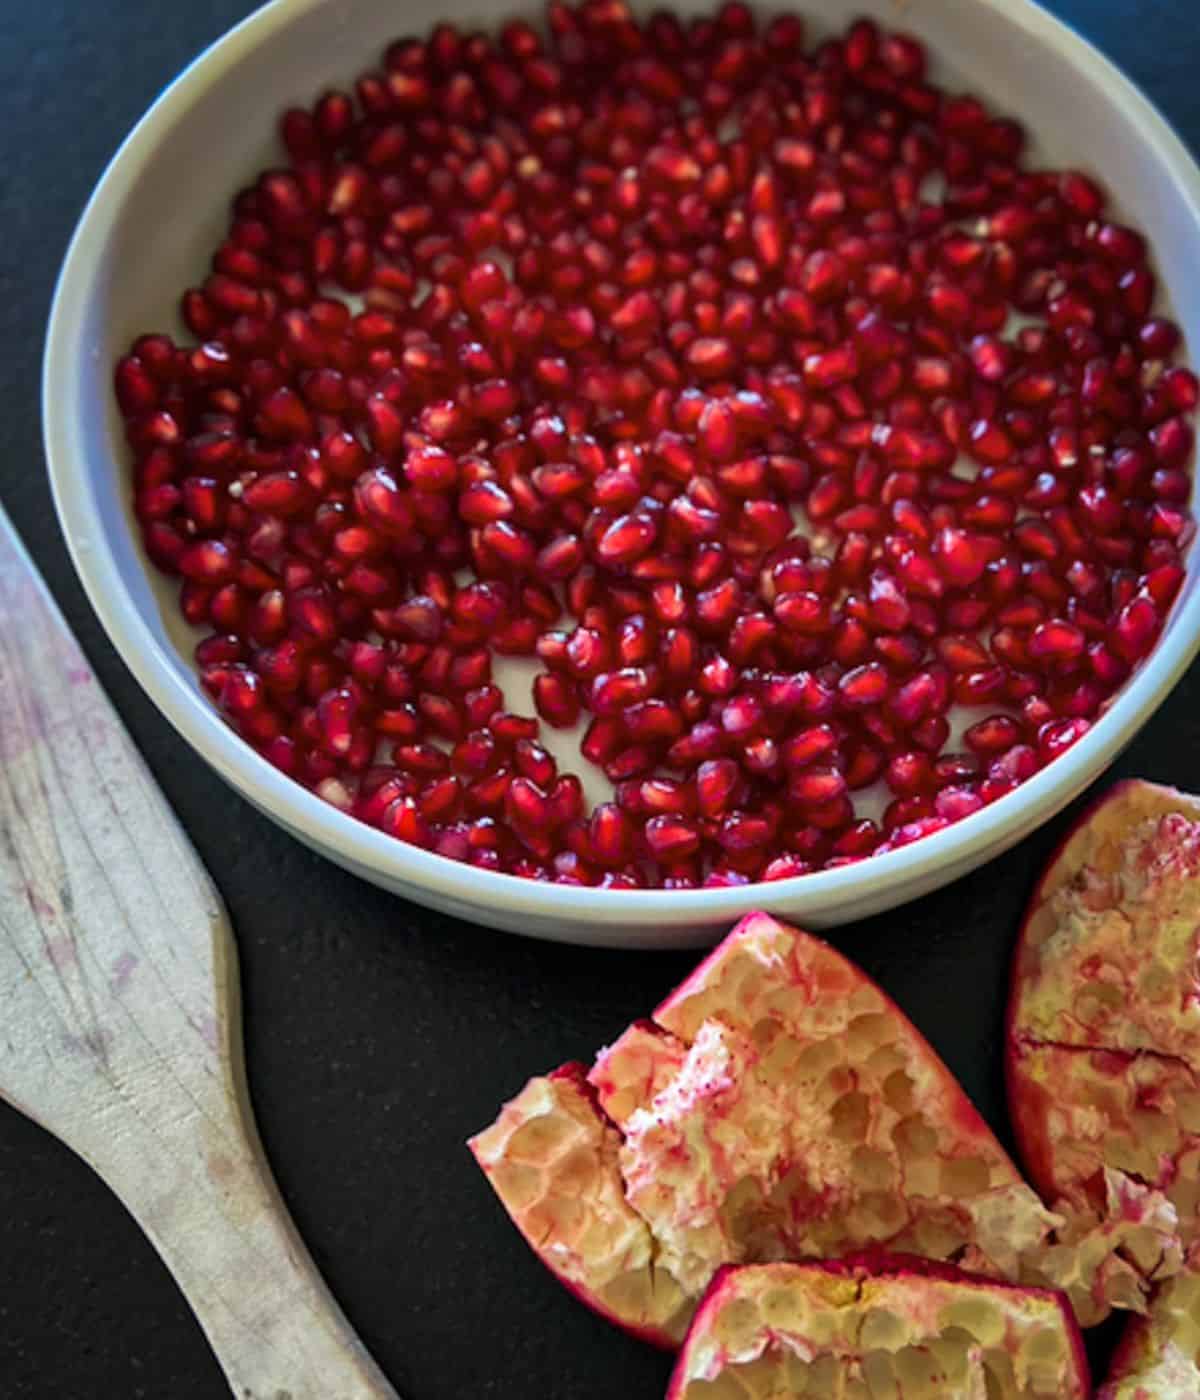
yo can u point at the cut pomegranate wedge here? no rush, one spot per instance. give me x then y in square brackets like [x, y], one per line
[1104, 1020]
[778, 1107]
[878, 1327]
[1159, 1355]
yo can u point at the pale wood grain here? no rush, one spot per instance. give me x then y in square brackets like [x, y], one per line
[120, 1028]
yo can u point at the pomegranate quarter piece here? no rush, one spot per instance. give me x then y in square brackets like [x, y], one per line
[1104, 1021]
[778, 1106]
[1159, 1356]
[876, 1329]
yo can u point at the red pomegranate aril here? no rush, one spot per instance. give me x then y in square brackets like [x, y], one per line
[988, 442]
[403, 819]
[887, 607]
[810, 745]
[1182, 389]
[962, 653]
[920, 574]
[1015, 766]
[626, 539]
[785, 867]
[716, 782]
[864, 764]
[742, 715]
[864, 685]
[587, 652]
[913, 700]
[1135, 629]
[671, 838]
[961, 556]
[613, 691]
[991, 357]
[826, 369]
[931, 734]
[526, 805]
[743, 835]
[208, 562]
[1173, 442]
[858, 840]
[1057, 736]
[909, 773]
[1162, 584]
[610, 834]
[336, 713]
[556, 701]
[137, 390]
[993, 735]
[817, 786]
[653, 720]
[1057, 643]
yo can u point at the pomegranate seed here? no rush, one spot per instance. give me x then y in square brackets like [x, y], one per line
[909, 773]
[1016, 766]
[864, 685]
[961, 556]
[1057, 736]
[1172, 442]
[610, 834]
[626, 539]
[989, 442]
[785, 868]
[955, 803]
[826, 369]
[1057, 643]
[913, 701]
[671, 838]
[209, 562]
[1135, 629]
[810, 745]
[993, 735]
[556, 701]
[817, 785]
[1182, 388]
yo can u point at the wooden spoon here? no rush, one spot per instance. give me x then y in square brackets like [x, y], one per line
[120, 1029]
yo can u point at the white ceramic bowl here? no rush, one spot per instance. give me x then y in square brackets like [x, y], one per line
[160, 209]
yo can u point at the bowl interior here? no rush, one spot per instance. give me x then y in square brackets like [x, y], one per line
[163, 206]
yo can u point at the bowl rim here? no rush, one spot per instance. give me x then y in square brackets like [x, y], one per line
[363, 847]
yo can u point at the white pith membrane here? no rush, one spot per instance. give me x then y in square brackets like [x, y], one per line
[1159, 1355]
[777, 1107]
[1104, 1036]
[883, 1331]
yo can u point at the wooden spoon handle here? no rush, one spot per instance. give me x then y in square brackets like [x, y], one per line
[120, 1024]
[224, 1233]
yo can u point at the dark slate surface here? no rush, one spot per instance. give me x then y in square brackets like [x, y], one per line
[380, 1035]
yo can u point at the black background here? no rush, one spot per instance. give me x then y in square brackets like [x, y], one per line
[380, 1035]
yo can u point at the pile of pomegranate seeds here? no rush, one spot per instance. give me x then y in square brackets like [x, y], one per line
[679, 357]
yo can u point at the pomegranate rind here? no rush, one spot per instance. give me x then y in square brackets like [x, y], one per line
[1106, 955]
[1114, 1242]
[551, 1157]
[1103, 1042]
[636, 1067]
[874, 1141]
[1158, 1357]
[1084, 1111]
[768, 977]
[875, 1327]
